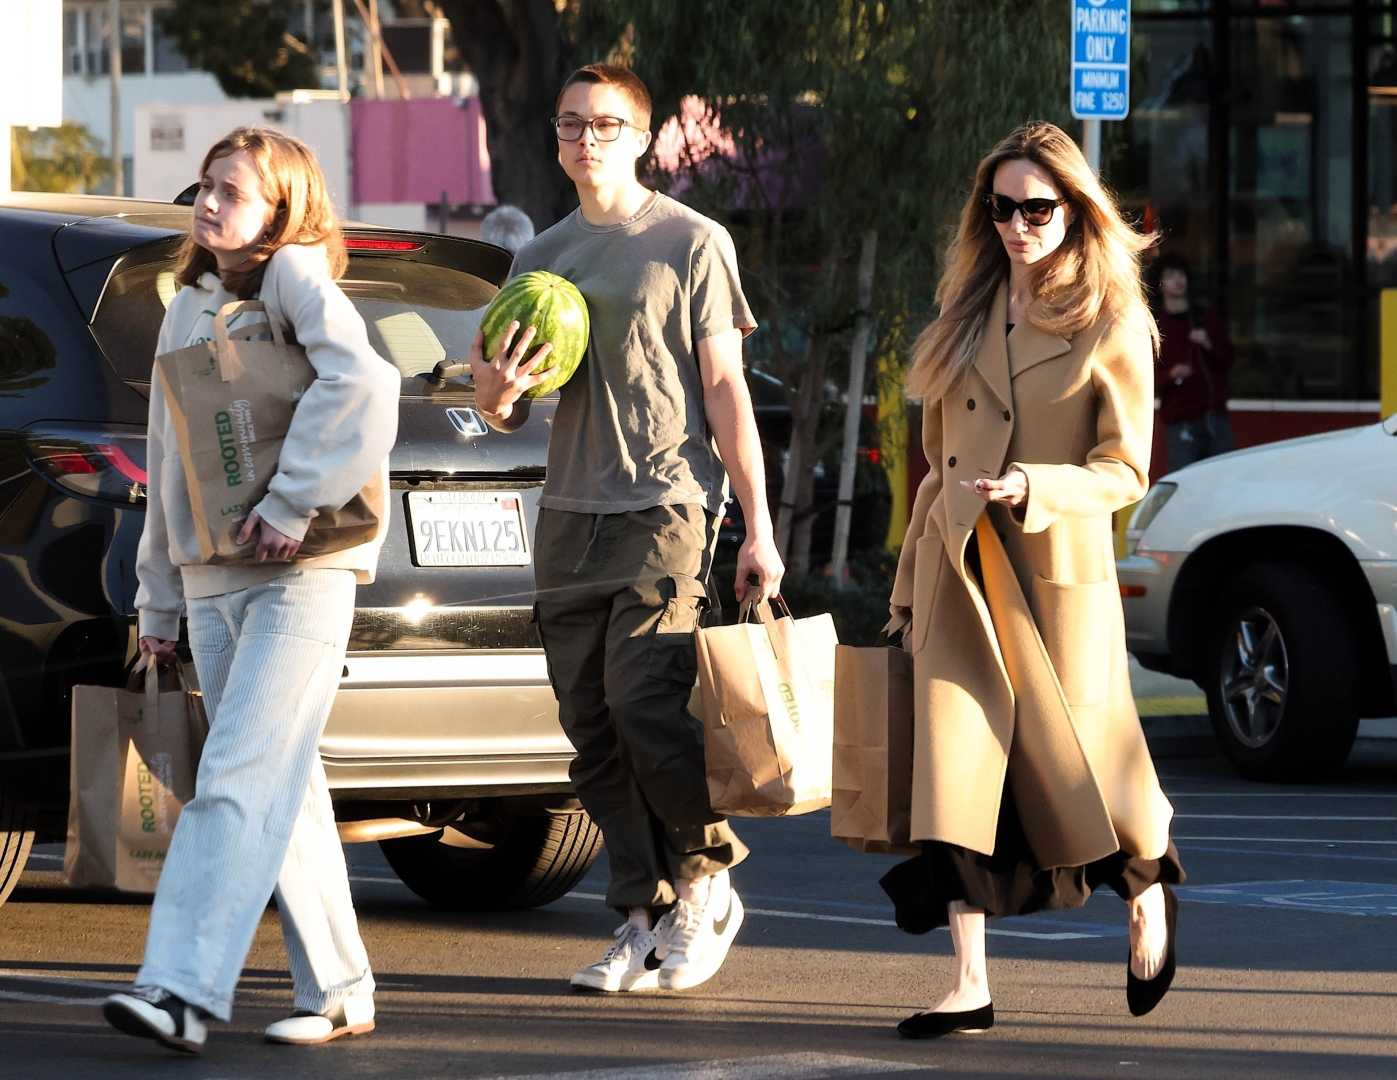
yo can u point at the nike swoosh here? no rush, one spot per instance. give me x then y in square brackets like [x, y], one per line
[652, 962]
[721, 925]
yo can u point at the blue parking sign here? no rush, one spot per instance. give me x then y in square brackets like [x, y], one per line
[1100, 59]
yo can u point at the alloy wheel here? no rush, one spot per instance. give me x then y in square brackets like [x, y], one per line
[1255, 677]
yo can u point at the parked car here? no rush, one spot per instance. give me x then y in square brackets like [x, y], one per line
[872, 497]
[444, 742]
[1269, 577]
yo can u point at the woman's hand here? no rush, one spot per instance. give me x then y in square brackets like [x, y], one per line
[1199, 336]
[503, 379]
[1011, 489]
[272, 545]
[160, 650]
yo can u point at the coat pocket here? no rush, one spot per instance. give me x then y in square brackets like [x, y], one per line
[926, 576]
[1077, 623]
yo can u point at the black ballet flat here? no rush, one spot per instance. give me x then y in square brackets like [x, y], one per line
[1142, 995]
[932, 1025]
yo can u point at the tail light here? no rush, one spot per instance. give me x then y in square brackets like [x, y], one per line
[381, 243]
[97, 463]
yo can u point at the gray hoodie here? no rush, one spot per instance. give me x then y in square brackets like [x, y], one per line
[341, 433]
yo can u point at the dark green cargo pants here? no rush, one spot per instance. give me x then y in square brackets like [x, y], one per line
[619, 598]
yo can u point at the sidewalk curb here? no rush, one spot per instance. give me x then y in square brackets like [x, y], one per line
[1180, 736]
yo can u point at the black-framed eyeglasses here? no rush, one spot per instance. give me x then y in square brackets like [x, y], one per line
[605, 128]
[1034, 211]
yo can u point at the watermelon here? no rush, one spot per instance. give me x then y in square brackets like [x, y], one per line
[556, 309]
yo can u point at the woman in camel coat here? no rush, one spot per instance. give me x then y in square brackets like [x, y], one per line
[1031, 777]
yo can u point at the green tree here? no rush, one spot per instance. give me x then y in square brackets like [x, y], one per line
[520, 51]
[847, 117]
[246, 44]
[66, 159]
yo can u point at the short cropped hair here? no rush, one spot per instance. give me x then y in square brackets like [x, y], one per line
[623, 78]
[507, 227]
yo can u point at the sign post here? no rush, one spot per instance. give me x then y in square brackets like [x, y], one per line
[1100, 68]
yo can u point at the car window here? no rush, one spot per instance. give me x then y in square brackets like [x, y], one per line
[416, 312]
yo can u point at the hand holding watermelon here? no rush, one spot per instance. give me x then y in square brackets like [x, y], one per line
[549, 309]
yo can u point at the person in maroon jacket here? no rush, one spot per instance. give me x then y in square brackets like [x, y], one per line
[1195, 356]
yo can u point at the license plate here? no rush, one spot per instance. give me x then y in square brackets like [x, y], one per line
[468, 528]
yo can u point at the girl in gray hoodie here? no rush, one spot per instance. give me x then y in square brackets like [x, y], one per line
[268, 637]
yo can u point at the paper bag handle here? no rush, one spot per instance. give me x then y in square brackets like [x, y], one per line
[148, 671]
[763, 610]
[223, 336]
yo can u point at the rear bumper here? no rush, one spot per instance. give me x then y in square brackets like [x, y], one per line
[438, 724]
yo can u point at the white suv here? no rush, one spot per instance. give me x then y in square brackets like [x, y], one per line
[1269, 577]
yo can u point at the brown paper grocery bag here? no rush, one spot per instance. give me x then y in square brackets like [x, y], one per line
[765, 693]
[871, 807]
[135, 754]
[231, 401]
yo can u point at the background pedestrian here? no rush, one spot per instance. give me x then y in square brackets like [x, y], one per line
[1191, 370]
[508, 227]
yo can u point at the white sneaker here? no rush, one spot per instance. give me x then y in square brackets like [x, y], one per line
[353, 1016]
[630, 963]
[150, 1012]
[694, 939]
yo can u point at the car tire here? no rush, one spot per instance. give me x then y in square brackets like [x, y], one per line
[533, 861]
[1281, 672]
[16, 839]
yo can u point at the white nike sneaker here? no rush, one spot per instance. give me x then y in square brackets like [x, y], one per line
[630, 963]
[150, 1012]
[695, 938]
[353, 1016]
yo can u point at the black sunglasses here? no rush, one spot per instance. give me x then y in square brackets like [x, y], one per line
[1034, 211]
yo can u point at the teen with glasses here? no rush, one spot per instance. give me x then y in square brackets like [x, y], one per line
[1032, 781]
[644, 439]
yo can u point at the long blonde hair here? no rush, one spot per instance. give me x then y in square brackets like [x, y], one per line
[1094, 272]
[292, 181]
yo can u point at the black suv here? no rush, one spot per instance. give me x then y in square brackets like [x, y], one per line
[444, 743]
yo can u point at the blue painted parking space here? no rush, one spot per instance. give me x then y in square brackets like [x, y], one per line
[1321, 897]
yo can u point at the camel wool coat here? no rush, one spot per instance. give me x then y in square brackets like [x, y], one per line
[1026, 681]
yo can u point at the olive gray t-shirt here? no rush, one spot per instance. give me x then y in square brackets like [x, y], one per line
[630, 431]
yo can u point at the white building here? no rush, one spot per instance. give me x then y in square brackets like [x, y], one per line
[153, 70]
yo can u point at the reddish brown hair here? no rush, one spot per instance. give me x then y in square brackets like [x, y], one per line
[623, 78]
[293, 183]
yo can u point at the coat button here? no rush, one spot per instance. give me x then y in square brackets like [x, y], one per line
[1007, 416]
[970, 404]
[951, 462]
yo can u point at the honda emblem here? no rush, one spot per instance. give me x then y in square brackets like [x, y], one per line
[467, 422]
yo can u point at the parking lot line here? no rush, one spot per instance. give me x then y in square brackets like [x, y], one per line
[1278, 817]
[771, 1067]
[1284, 840]
[1380, 795]
[810, 916]
[46, 999]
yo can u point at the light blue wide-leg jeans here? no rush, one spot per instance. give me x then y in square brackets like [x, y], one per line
[269, 659]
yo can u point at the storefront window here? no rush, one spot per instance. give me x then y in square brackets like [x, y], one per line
[1162, 166]
[1292, 284]
[1382, 154]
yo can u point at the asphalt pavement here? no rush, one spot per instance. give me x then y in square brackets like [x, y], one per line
[1287, 950]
